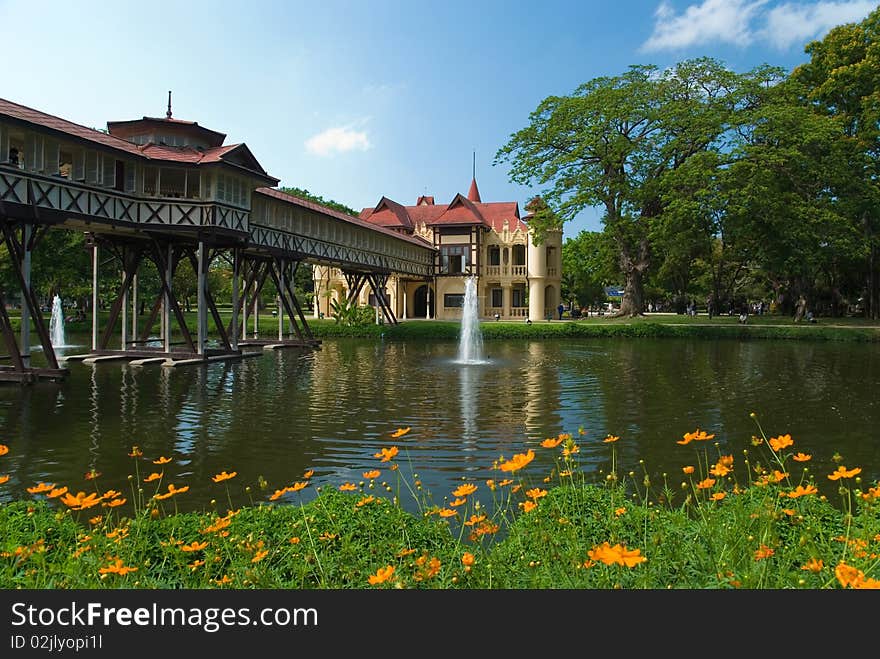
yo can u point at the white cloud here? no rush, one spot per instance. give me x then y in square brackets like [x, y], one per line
[339, 139]
[790, 23]
[743, 22]
[713, 21]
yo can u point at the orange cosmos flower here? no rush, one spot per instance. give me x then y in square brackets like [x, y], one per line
[81, 500]
[718, 496]
[779, 443]
[464, 490]
[848, 576]
[763, 552]
[619, 511]
[4, 478]
[372, 474]
[801, 491]
[161, 460]
[536, 493]
[223, 580]
[223, 476]
[39, 488]
[113, 503]
[386, 453]
[698, 435]
[475, 519]
[843, 472]
[57, 492]
[94, 521]
[153, 477]
[405, 552]
[135, 452]
[458, 502]
[688, 469]
[570, 449]
[813, 565]
[382, 575]
[309, 474]
[611, 439]
[778, 476]
[618, 554]
[4, 449]
[491, 484]
[259, 556]
[347, 487]
[518, 461]
[719, 470]
[446, 512]
[705, 483]
[467, 559]
[801, 457]
[296, 487]
[117, 567]
[528, 506]
[365, 500]
[91, 475]
[172, 491]
[195, 545]
[400, 432]
[552, 442]
[294, 540]
[277, 494]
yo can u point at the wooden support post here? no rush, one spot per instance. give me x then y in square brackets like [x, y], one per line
[94, 294]
[166, 300]
[124, 339]
[202, 298]
[236, 265]
[25, 308]
[280, 287]
[134, 307]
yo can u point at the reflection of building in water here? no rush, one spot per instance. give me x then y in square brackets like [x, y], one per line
[541, 390]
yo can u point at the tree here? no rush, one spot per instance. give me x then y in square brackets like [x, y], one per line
[611, 143]
[842, 79]
[587, 264]
[318, 199]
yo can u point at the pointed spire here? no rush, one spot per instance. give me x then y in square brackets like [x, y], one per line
[474, 192]
[168, 112]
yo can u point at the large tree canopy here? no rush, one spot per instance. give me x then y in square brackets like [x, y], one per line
[612, 143]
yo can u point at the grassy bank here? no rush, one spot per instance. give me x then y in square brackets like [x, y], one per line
[754, 521]
[651, 326]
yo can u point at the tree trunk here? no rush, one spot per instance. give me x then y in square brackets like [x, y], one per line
[633, 302]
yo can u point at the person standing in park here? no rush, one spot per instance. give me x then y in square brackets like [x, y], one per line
[800, 309]
[560, 309]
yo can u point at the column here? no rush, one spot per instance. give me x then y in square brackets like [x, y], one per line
[134, 307]
[233, 338]
[202, 297]
[166, 300]
[428, 310]
[25, 307]
[94, 294]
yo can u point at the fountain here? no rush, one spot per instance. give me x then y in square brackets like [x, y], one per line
[56, 324]
[470, 344]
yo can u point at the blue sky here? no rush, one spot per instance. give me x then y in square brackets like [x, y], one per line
[355, 100]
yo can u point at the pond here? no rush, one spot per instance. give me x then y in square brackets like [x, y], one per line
[272, 417]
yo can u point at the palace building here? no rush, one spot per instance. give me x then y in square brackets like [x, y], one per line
[516, 279]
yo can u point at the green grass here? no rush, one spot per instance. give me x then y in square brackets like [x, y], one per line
[757, 521]
[654, 326]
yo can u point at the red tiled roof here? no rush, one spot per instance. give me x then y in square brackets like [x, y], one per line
[460, 211]
[214, 137]
[325, 210]
[38, 118]
[426, 200]
[150, 151]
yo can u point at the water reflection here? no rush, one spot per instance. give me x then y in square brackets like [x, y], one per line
[283, 412]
